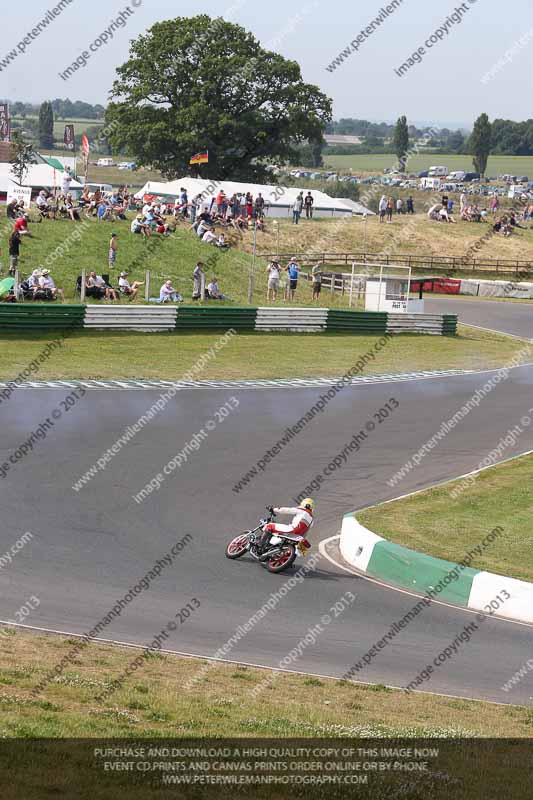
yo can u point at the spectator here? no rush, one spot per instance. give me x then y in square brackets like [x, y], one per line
[399, 206]
[463, 202]
[12, 209]
[33, 280]
[96, 287]
[390, 206]
[195, 207]
[113, 248]
[21, 225]
[293, 271]
[46, 282]
[66, 181]
[126, 288]
[43, 205]
[213, 292]
[209, 237]
[308, 203]
[382, 208]
[139, 226]
[14, 251]
[249, 205]
[198, 277]
[316, 275]
[71, 211]
[85, 199]
[221, 242]
[168, 294]
[274, 273]
[184, 202]
[410, 205]
[259, 206]
[297, 208]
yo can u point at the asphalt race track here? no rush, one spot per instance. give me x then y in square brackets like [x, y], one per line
[504, 316]
[91, 546]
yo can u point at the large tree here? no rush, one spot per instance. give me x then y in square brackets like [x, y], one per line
[401, 141]
[46, 125]
[480, 143]
[194, 84]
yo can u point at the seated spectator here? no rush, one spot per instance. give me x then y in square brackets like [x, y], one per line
[33, 280]
[139, 226]
[95, 286]
[12, 209]
[213, 292]
[46, 283]
[168, 294]
[85, 198]
[44, 206]
[126, 288]
[221, 242]
[72, 212]
[209, 237]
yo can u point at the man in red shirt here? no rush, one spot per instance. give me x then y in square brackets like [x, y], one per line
[21, 225]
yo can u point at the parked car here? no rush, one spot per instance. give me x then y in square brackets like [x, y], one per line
[105, 162]
[127, 165]
[437, 172]
[471, 176]
[423, 174]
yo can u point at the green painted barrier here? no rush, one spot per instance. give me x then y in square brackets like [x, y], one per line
[449, 324]
[400, 566]
[40, 316]
[357, 321]
[215, 317]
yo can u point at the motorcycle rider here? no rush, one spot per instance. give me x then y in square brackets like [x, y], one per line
[302, 522]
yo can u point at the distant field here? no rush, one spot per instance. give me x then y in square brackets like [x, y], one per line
[80, 125]
[498, 165]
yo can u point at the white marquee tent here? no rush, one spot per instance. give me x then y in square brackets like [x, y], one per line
[278, 199]
[39, 176]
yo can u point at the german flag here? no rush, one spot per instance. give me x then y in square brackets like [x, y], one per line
[200, 158]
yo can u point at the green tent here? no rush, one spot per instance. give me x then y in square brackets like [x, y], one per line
[5, 287]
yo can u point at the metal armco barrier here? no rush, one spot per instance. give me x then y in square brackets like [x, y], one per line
[153, 318]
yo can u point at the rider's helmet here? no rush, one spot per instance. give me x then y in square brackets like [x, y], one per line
[308, 503]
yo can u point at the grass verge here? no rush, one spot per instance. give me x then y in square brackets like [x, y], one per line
[153, 703]
[91, 354]
[499, 496]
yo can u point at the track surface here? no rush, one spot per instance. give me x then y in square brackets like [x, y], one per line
[90, 547]
[507, 317]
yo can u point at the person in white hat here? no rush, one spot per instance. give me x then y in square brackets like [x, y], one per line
[46, 282]
[127, 288]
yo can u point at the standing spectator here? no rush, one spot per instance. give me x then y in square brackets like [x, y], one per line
[14, 251]
[410, 205]
[127, 288]
[195, 203]
[66, 181]
[297, 207]
[399, 206]
[463, 200]
[450, 206]
[390, 206]
[382, 208]
[308, 203]
[184, 202]
[249, 205]
[316, 274]
[259, 206]
[293, 271]
[113, 247]
[273, 273]
[494, 205]
[198, 278]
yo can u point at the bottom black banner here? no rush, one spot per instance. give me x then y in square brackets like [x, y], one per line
[416, 769]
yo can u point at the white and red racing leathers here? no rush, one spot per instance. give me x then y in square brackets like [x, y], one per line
[300, 525]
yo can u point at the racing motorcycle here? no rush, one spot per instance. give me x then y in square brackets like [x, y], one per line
[279, 552]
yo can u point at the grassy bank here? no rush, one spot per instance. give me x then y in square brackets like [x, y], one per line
[109, 354]
[436, 523]
[152, 703]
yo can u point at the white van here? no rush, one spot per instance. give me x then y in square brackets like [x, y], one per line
[105, 162]
[456, 177]
[437, 172]
[430, 183]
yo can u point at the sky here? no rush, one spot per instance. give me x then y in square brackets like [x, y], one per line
[470, 57]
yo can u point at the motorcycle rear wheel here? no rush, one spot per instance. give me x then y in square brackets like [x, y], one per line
[282, 560]
[238, 546]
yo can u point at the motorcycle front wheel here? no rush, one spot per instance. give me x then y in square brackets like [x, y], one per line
[238, 546]
[282, 559]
